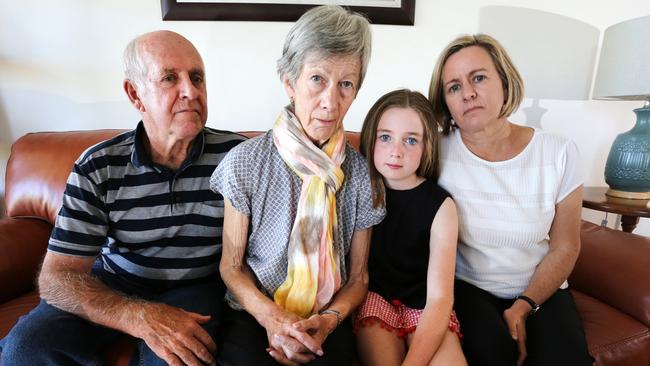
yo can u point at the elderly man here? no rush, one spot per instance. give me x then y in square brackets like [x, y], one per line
[136, 245]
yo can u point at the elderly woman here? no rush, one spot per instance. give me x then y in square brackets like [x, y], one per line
[518, 192]
[298, 207]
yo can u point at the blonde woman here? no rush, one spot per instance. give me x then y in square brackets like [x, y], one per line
[518, 192]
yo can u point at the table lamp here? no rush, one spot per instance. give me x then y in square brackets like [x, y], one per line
[624, 74]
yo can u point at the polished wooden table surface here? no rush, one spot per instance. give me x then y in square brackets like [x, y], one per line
[630, 210]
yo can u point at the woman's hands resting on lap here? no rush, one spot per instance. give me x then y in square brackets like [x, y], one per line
[294, 341]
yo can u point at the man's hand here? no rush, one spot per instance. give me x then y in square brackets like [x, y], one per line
[515, 318]
[287, 344]
[175, 335]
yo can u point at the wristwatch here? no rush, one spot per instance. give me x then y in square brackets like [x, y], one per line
[533, 305]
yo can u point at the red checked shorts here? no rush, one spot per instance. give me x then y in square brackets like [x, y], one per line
[394, 316]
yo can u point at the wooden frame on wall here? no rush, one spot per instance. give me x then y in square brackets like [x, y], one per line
[400, 12]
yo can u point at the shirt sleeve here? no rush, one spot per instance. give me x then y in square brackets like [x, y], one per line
[81, 226]
[367, 216]
[571, 178]
[231, 179]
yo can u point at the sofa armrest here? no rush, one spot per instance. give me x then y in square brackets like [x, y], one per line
[614, 267]
[23, 242]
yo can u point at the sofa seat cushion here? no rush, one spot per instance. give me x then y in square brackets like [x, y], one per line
[12, 310]
[614, 338]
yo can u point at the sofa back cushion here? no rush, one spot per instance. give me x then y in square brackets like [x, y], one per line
[40, 163]
[38, 169]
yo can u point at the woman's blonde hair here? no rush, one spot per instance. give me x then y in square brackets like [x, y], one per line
[402, 98]
[513, 85]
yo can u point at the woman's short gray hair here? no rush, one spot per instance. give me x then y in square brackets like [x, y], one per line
[135, 69]
[325, 31]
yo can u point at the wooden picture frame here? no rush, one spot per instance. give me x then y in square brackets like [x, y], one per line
[404, 14]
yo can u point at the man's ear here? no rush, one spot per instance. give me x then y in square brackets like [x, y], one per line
[132, 92]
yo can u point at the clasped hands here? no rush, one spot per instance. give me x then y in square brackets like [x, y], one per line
[294, 341]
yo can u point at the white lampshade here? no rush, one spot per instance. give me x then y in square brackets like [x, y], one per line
[624, 65]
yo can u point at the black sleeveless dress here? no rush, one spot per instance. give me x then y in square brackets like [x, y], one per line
[399, 250]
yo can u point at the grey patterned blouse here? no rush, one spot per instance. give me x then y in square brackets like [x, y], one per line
[258, 183]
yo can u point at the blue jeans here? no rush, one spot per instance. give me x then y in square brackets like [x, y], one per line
[49, 336]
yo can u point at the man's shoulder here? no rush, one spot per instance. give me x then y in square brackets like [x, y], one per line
[121, 144]
[214, 135]
[220, 141]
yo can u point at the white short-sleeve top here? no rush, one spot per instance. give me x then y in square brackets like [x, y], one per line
[506, 208]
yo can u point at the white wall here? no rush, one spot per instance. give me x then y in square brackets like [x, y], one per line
[60, 67]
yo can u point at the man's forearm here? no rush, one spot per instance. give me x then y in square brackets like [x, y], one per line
[86, 296]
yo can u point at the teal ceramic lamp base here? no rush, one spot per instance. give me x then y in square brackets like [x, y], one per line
[627, 171]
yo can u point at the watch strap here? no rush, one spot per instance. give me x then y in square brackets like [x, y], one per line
[533, 305]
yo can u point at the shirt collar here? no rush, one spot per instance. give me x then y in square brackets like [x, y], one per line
[140, 157]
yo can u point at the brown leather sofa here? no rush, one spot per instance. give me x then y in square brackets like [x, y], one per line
[611, 280]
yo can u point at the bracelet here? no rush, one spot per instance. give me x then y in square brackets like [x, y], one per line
[335, 312]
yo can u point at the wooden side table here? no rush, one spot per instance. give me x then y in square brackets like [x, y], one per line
[630, 210]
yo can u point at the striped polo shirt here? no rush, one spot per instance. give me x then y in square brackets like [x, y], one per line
[149, 224]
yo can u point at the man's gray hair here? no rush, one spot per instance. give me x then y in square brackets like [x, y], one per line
[135, 69]
[325, 31]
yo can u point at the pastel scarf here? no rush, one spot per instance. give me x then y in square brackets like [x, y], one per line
[313, 275]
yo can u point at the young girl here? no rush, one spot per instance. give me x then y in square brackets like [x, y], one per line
[406, 318]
